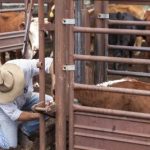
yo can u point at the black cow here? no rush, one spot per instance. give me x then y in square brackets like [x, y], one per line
[122, 39]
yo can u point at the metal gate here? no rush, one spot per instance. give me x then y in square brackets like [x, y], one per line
[16, 40]
[93, 128]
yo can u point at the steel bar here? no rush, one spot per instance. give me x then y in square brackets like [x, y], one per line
[144, 2]
[109, 138]
[130, 73]
[125, 22]
[110, 31]
[13, 9]
[78, 108]
[100, 73]
[79, 74]
[110, 131]
[20, 1]
[11, 34]
[112, 59]
[48, 27]
[28, 21]
[11, 47]
[112, 89]
[61, 86]
[78, 147]
[42, 73]
[133, 48]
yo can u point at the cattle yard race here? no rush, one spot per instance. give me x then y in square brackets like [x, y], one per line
[101, 52]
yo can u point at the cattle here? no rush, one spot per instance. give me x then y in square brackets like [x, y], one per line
[15, 21]
[123, 39]
[117, 101]
[137, 11]
[10, 21]
[146, 43]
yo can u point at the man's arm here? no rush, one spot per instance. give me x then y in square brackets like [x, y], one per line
[26, 116]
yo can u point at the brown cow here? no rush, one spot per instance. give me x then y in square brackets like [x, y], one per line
[119, 101]
[14, 21]
[145, 43]
[11, 21]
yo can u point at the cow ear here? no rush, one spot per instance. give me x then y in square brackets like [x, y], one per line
[22, 26]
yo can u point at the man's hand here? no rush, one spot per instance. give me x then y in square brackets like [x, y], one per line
[50, 106]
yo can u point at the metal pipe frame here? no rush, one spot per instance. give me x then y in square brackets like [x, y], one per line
[10, 10]
[126, 73]
[133, 48]
[110, 31]
[111, 59]
[78, 108]
[42, 72]
[126, 22]
[112, 89]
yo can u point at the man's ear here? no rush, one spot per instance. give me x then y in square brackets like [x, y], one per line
[22, 26]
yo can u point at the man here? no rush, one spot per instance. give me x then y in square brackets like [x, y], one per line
[17, 98]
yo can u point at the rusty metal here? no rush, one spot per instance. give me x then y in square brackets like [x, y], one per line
[19, 37]
[78, 48]
[42, 72]
[96, 128]
[126, 22]
[48, 27]
[61, 86]
[112, 89]
[111, 31]
[87, 44]
[28, 21]
[11, 47]
[100, 73]
[133, 48]
[12, 38]
[108, 129]
[20, 1]
[128, 73]
[10, 10]
[112, 59]
[124, 114]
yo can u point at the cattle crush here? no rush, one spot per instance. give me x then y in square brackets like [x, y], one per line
[77, 67]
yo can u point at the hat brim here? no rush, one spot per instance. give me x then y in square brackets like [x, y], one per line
[18, 87]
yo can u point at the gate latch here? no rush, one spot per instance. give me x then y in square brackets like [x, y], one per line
[69, 67]
[103, 16]
[68, 21]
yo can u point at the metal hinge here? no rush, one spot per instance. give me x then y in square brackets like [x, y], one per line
[103, 16]
[68, 21]
[69, 67]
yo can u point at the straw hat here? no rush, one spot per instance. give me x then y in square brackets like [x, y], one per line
[11, 82]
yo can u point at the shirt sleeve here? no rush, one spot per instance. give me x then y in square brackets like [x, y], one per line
[35, 70]
[11, 110]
